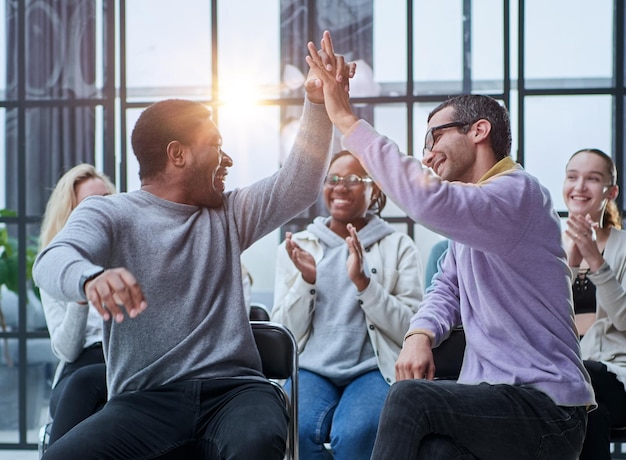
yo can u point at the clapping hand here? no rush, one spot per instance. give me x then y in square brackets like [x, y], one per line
[581, 233]
[354, 264]
[303, 261]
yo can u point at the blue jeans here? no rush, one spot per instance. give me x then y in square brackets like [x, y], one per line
[347, 416]
[198, 419]
[434, 420]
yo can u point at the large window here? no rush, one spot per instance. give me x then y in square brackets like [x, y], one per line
[75, 75]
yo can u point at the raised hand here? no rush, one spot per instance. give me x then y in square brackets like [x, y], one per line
[329, 60]
[330, 71]
[303, 261]
[354, 264]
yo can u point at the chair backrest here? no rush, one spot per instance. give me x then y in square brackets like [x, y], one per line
[259, 312]
[618, 439]
[448, 355]
[279, 357]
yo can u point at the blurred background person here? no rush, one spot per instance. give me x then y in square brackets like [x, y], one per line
[596, 251]
[79, 385]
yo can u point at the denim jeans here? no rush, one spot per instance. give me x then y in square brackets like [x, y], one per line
[199, 419]
[434, 420]
[347, 416]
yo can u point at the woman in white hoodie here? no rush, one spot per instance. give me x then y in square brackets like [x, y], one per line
[346, 287]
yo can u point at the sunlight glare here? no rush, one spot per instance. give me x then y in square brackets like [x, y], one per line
[240, 94]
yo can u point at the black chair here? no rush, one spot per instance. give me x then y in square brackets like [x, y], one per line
[279, 356]
[448, 355]
[259, 312]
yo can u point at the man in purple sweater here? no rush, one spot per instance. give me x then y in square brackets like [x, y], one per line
[523, 391]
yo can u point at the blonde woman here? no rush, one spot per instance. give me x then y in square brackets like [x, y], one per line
[79, 386]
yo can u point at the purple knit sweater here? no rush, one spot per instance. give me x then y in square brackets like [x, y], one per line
[505, 277]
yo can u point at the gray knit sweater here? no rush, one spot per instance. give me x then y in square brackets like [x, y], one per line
[339, 347]
[187, 261]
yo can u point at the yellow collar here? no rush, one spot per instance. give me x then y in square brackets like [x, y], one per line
[505, 164]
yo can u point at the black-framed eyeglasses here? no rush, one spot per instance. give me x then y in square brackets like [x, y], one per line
[349, 181]
[429, 141]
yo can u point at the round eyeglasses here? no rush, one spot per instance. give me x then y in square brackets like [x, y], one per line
[350, 181]
[429, 141]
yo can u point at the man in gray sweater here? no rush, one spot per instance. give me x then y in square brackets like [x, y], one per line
[162, 266]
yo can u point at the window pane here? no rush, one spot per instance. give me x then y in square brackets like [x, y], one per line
[260, 260]
[9, 298]
[132, 167]
[251, 137]
[558, 126]
[390, 120]
[60, 59]
[420, 125]
[487, 46]
[35, 319]
[390, 49]
[57, 139]
[40, 373]
[3, 158]
[9, 397]
[580, 35]
[438, 47]
[3, 59]
[40, 367]
[249, 55]
[168, 52]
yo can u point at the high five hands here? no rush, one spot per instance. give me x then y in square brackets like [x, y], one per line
[329, 82]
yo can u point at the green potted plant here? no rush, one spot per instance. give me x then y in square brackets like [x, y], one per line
[9, 270]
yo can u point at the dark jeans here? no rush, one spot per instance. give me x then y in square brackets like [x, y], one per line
[442, 419]
[80, 392]
[611, 412]
[203, 419]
